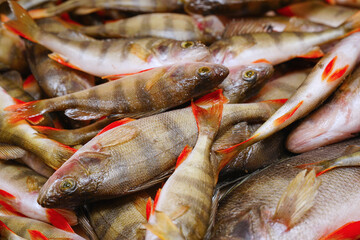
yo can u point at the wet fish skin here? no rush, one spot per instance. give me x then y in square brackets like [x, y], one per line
[127, 5]
[24, 185]
[333, 122]
[271, 24]
[21, 134]
[108, 57]
[276, 47]
[244, 81]
[239, 217]
[20, 225]
[237, 8]
[107, 167]
[136, 95]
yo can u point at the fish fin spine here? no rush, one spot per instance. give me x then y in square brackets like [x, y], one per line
[58, 220]
[36, 235]
[350, 230]
[297, 199]
[115, 124]
[183, 155]
[24, 26]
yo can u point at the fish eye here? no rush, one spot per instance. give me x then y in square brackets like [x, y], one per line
[187, 44]
[68, 185]
[204, 71]
[249, 75]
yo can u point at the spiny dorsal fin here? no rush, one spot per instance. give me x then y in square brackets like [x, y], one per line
[183, 155]
[297, 199]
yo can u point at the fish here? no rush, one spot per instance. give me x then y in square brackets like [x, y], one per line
[175, 26]
[182, 208]
[128, 5]
[323, 80]
[254, 157]
[121, 218]
[136, 95]
[333, 122]
[271, 24]
[232, 8]
[319, 12]
[281, 87]
[350, 3]
[244, 81]
[108, 165]
[23, 135]
[286, 202]
[108, 57]
[21, 226]
[19, 190]
[275, 47]
[12, 51]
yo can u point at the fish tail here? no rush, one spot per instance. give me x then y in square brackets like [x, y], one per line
[24, 26]
[208, 119]
[352, 24]
[25, 110]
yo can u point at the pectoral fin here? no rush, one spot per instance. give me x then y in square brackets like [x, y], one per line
[297, 199]
[11, 152]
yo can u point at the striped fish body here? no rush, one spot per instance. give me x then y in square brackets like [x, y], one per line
[55, 79]
[140, 94]
[20, 226]
[272, 47]
[24, 185]
[21, 134]
[333, 122]
[108, 57]
[124, 5]
[271, 24]
[11, 51]
[125, 158]
[235, 8]
[121, 218]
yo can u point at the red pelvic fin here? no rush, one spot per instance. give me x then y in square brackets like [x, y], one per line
[183, 155]
[36, 235]
[212, 98]
[115, 124]
[156, 200]
[350, 230]
[32, 120]
[4, 194]
[328, 69]
[262, 60]
[314, 53]
[10, 209]
[287, 115]
[58, 220]
[338, 74]
[286, 11]
[117, 76]
[62, 60]
[148, 208]
[30, 80]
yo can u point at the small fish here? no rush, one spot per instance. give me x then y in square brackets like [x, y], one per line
[284, 202]
[108, 165]
[175, 26]
[271, 24]
[244, 81]
[333, 122]
[108, 57]
[282, 87]
[24, 227]
[325, 77]
[192, 184]
[123, 5]
[23, 135]
[136, 95]
[19, 189]
[274, 47]
[237, 8]
[319, 12]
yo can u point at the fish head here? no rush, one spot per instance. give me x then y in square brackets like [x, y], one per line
[170, 51]
[71, 185]
[196, 78]
[245, 80]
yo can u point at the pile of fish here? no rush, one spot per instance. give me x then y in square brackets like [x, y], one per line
[179, 119]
